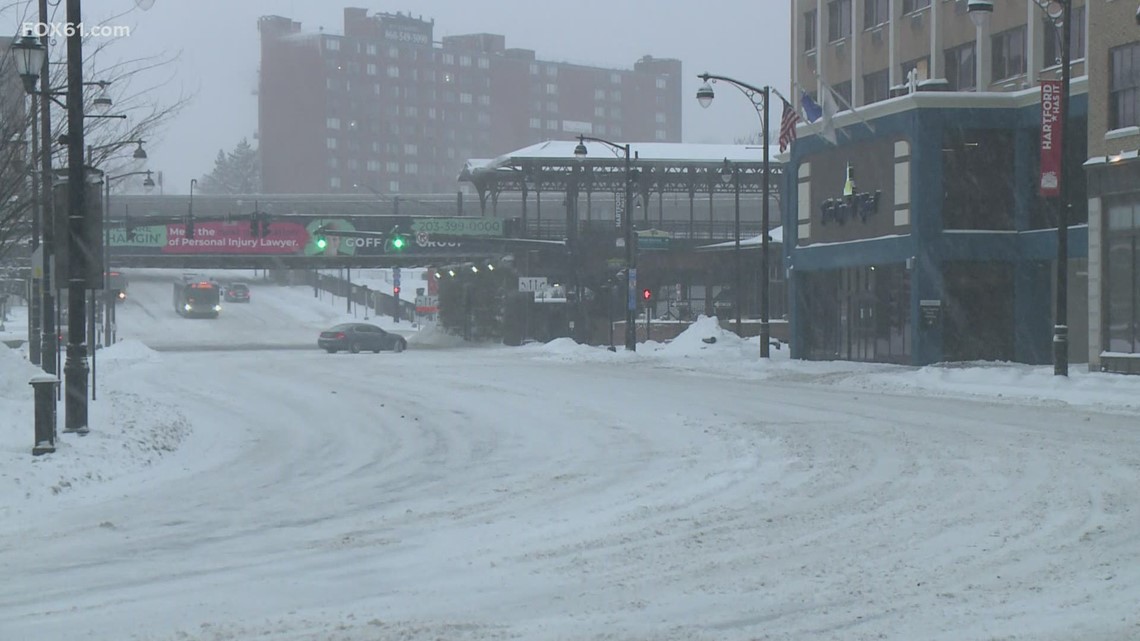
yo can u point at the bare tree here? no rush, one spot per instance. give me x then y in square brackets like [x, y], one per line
[132, 87]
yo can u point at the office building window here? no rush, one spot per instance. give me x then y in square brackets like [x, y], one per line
[370, 50]
[393, 52]
[373, 165]
[600, 130]
[838, 20]
[393, 186]
[921, 65]
[616, 131]
[332, 123]
[411, 168]
[332, 44]
[464, 98]
[552, 71]
[484, 63]
[485, 100]
[464, 61]
[1122, 255]
[660, 134]
[371, 69]
[615, 95]
[330, 142]
[551, 89]
[615, 113]
[412, 111]
[393, 167]
[599, 94]
[660, 117]
[536, 123]
[810, 25]
[393, 71]
[533, 69]
[552, 107]
[552, 124]
[876, 86]
[1076, 39]
[615, 78]
[448, 59]
[334, 182]
[961, 68]
[843, 90]
[910, 6]
[1009, 53]
[661, 83]
[1124, 86]
[875, 13]
[600, 111]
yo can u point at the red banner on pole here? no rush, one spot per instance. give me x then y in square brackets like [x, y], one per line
[1051, 139]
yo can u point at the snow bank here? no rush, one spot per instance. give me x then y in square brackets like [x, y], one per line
[435, 336]
[128, 351]
[693, 340]
[15, 372]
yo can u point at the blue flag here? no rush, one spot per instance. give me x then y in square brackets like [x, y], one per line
[812, 111]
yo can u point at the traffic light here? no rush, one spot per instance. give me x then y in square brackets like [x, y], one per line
[646, 294]
[398, 242]
[322, 242]
[396, 290]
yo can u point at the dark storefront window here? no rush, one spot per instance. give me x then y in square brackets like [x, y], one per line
[979, 311]
[1123, 287]
[977, 179]
[858, 314]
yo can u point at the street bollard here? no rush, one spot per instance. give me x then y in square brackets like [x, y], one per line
[44, 386]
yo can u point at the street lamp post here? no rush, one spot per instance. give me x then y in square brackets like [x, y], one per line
[759, 99]
[1061, 12]
[627, 227]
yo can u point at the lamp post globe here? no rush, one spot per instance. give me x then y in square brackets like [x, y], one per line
[705, 95]
[140, 153]
[29, 55]
[980, 11]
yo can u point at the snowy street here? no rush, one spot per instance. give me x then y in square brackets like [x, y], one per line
[563, 492]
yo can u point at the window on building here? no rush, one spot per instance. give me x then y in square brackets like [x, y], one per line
[411, 168]
[876, 86]
[910, 6]
[393, 167]
[843, 90]
[615, 95]
[334, 182]
[552, 71]
[330, 142]
[811, 19]
[393, 52]
[977, 171]
[660, 117]
[599, 94]
[393, 71]
[616, 131]
[1053, 39]
[600, 111]
[1124, 86]
[661, 83]
[921, 65]
[600, 130]
[370, 50]
[615, 78]
[961, 68]
[484, 63]
[660, 134]
[1122, 270]
[465, 98]
[551, 89]
[536, 123]
[483, 118]
[464, 61]
[353, 164]
[485, 100]
[332, 44]
[838, 20]
[615, 113]
[410, 149]
[533, 69]
[373, 165]
[332, 123]
[552, 107]
[875, 13]
[412, 111]
[371, 69]
[376, 89]
[1009, 53]
[552, 124]
[448, 58]
[332, 162]
[393, 186]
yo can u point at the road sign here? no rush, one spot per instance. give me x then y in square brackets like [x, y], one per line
[38, 263]
[531, 283]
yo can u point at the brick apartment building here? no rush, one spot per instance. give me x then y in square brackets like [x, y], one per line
[387, 107]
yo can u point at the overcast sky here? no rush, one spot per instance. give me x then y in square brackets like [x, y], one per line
[219, 53]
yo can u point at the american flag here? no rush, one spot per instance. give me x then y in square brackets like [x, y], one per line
[788, 126]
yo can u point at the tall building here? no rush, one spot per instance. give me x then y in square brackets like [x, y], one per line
[1114, 187]
[387, 108]
[919, 223]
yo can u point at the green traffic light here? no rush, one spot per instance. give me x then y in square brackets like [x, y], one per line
[398, 242]
[321, 242]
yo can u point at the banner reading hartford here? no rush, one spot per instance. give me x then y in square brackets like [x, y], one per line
[234, 238]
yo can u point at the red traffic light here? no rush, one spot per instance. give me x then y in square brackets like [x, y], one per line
[646, 294]
[396, 290]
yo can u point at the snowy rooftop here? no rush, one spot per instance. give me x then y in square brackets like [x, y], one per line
[644, 152]
[774, 236]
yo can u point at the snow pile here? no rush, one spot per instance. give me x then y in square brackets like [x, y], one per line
[15, 372]
[693, 340]
[568, 349]
[1010, 380]
[435, 336]
[128, 351]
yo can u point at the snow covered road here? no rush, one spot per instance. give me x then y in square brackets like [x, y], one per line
[480, 494]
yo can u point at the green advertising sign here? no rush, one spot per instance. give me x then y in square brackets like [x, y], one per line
[459, 226]
[149, 236]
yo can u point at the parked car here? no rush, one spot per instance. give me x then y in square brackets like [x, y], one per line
[356, 337]
[236, 293]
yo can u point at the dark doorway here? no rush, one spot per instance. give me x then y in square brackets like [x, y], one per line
[979, 311]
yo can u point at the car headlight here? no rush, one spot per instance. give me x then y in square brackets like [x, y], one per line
[187, 307]
[217, 308]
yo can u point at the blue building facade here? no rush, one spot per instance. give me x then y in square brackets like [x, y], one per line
[920, 236]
